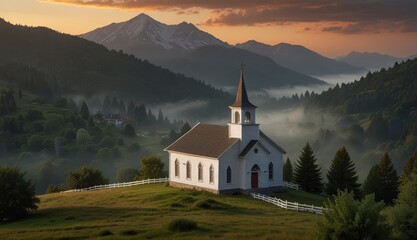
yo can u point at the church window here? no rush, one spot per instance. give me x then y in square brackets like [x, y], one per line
[247, 117]
[229, 175]
[256, 150]
[177, 168]
[200, 172]
[237, 117]
[211, 174]
[188, 170]
[271, 171]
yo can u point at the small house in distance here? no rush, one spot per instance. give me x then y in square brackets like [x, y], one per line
[236, 157]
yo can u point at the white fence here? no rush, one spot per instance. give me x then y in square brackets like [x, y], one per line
[291, 185]
[289, 205]
[119, 185]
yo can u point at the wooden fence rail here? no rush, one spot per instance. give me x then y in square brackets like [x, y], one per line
[291, 185]
[289, 205]
[119, 185]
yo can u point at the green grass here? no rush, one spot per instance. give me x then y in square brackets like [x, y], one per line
[145, 212]
[302, 197]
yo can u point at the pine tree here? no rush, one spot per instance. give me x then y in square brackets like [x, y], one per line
[85, 113]
[185, 128]
[288, 170]
[342, 174]
[307, 172]
[372, 182]
[388, 180]
[410, 167]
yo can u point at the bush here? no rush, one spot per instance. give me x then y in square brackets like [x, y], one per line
[107, 141]
[70, 134]
[115, 152]
[85, 177]
[17, 195]
[25, 156]
[83, 137]
[33, 115]
[35, 143]
[126, 174]
[52, 188]
[129, 131]
[352, 219]
[151, 167]
[133, 148]
[182, 225]
[53, 123]
[105, 153]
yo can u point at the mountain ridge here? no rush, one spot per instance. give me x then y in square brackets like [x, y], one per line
[299, 58]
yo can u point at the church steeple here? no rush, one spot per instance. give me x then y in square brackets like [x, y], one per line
[242, 100]
[242, 118]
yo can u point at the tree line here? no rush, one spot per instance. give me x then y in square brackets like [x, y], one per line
[356, 212]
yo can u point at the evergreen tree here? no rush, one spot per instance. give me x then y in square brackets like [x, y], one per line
[372, 182]
[141, 114]
[342, 174]
[160, 117]
[185, 128]
[288, 170]
[131, 109]
[17, 195]
[307, 172]
[389, 180]
[411, 166]
[403, 217]
[85, 113]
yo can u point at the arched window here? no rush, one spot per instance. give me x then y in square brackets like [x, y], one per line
[237, 117]
[189, 170]
[229, 175]
[247, 117]
[177, 168]
[211, 175]
[271, 171]
[256, 168]
[200, 172]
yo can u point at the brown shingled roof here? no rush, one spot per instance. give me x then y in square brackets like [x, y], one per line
[204, 140]
[242, 99]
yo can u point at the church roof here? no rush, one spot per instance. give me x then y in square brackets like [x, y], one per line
[262, 134]
[204, 140]
[242, 99]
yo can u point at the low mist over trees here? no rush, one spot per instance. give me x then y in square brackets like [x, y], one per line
[17, 195]
[307, 172]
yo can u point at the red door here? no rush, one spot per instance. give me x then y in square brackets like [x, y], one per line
[254, 180]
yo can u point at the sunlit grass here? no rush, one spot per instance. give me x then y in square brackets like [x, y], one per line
[144, 212]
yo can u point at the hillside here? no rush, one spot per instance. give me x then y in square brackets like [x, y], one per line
[143, 212]
[77, 66]
[219, 66]
[149, 39]
[300, 59]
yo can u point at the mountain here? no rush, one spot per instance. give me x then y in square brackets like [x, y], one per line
[299, 58]
[72, 65]
[371, 61]
[149, 39]
[217, 65]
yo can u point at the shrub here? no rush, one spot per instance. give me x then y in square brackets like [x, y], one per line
[35, 143]
[17, 195]
[107, 141]
[151, 167]
[129, 131]
[83, 137]
[352, 219]
[182, 225]
[85, 177]
[53, 123]
[32, 115]
[52, 188]
[134, 148]
[105, 153]
[126, 174]
[70, 134]
[115, 152]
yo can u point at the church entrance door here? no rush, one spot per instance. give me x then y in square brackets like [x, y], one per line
[254, 180]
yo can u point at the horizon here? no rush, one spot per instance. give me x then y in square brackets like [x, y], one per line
[329, 34]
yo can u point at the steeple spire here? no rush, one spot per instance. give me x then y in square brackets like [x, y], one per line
[241, 95]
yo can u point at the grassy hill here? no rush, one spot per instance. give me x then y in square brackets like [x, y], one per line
[143, 212]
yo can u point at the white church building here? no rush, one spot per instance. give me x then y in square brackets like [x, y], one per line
[236, 157]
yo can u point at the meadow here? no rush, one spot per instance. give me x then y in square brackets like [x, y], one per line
[144, 212]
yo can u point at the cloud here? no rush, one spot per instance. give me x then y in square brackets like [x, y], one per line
[352, 16]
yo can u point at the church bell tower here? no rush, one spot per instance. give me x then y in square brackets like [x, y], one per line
[243, 115]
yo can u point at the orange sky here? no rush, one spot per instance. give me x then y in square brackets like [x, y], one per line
[335, 33]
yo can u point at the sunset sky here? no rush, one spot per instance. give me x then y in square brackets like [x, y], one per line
[330, 27]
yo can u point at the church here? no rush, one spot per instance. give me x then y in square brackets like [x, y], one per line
[225, 159]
